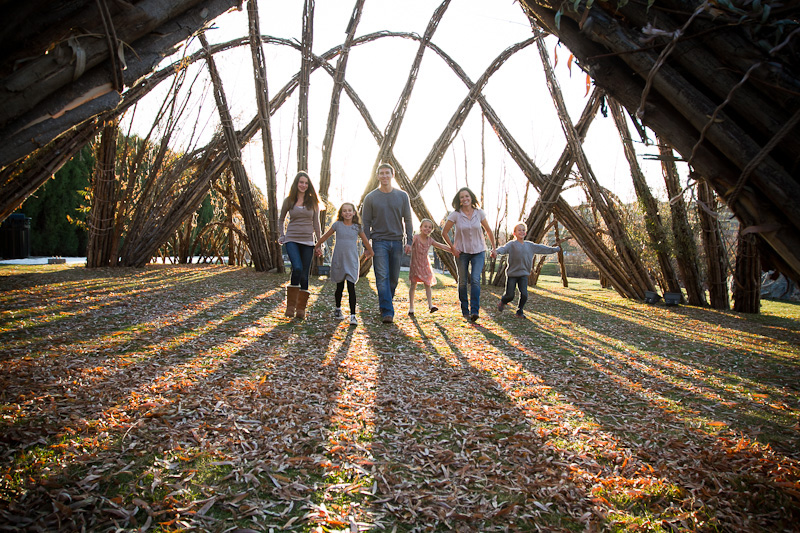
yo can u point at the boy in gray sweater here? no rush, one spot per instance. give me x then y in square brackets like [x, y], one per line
[520, 262]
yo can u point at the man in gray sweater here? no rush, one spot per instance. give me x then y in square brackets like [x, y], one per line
[386, 218]
[520, 262]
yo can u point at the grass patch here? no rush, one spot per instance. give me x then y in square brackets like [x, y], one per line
[196, 401]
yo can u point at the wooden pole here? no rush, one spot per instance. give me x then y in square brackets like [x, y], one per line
[336, 94]
[396, 120]
[747, 275]
[99, 251]
[255, 232]
[685, 245]
[561, 265]
[306, 61]
[656, 232]
[638, 280]
[716, 256]
[262, 102]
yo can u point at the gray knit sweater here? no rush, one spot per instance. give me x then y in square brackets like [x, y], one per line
[520, 256]
[385, 213]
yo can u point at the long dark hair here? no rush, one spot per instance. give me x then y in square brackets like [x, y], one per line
[310, 199]
[339, 216]
[457, 201]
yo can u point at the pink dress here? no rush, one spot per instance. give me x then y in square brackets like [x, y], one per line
[420, 270]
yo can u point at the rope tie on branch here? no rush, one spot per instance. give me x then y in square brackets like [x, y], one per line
[778, 137]
[662, 58]
[760, 156]
[713, 117]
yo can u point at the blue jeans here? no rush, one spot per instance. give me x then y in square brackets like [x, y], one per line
[470, 267]
[511, 285]
[386, 264]
[300, 256]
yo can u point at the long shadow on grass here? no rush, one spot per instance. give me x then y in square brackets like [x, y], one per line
[703, 370]
[719, 481]
[712, 327]
[111, 358]
[51, 316]
[725, 358]
[452, 451]
[245, 402]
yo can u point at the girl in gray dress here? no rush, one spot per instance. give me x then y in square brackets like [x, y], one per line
[344, 263]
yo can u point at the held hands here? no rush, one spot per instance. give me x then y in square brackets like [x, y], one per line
[368, 254]
[318, 250]
[493, 255]
[407, 249]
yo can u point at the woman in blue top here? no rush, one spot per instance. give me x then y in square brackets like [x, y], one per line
[469, 248]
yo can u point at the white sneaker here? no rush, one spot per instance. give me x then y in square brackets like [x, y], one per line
[338, 314]
[353, 320]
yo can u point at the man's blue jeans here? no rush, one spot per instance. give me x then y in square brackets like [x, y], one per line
[470, 267]
[300, 255]
[386, 264]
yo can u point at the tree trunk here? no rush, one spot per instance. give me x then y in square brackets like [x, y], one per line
[656, 232]
[747, 276]
[255, 232]
[716, 256]
[262, 101]
[100, 251]
[685, 246]
[306, 61]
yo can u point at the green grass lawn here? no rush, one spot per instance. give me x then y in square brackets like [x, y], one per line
[174, 398]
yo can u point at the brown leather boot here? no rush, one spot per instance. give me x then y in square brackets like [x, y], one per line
[302, 300]
[291, 299]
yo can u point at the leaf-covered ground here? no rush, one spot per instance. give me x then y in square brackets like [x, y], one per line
[180, 398]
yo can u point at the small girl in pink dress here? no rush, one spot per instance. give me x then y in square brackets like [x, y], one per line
[420, 271]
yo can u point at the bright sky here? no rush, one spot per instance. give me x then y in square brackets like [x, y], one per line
[473, 32]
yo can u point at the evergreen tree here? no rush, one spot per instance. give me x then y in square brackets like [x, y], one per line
[56, 209]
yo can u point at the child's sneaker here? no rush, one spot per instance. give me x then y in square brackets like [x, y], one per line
[501, 306]
[338, 314]
[520, 314]
[353, 320]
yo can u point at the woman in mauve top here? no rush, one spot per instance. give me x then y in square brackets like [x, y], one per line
[298, 237]
[469, 224]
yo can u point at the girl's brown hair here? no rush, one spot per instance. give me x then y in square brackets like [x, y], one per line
[310, 199]
[457, 200]
[339, 216]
